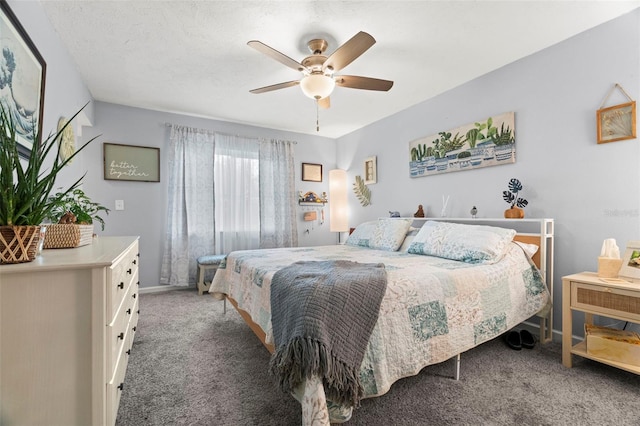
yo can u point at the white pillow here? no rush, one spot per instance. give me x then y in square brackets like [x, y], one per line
[383, 234]
[529, 249]
[362, 234]
[389, 233]
[466, 243]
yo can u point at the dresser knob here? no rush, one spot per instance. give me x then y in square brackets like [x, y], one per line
[121, 285]
[129, 311]
[135, 261]
[134, 328]
[129, 352]
[129, 271]
[134, 295]
[121, 386]
[121, 336]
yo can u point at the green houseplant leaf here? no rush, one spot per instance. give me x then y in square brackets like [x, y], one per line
[25, 190]
[78, 203]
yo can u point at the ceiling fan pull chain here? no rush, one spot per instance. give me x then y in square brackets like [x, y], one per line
[317, 116]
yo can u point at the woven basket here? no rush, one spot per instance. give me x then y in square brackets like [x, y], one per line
[18, 244]
[69, 235]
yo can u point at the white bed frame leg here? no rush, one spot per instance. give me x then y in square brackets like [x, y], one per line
[456, 374]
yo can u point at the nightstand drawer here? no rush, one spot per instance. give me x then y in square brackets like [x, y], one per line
[605, 300]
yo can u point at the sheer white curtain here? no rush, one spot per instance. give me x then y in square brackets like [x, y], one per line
[237, 181]
[278, 222]
[226, 193]
[190, 216]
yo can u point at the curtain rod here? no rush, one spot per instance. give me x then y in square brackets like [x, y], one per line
[167, 124]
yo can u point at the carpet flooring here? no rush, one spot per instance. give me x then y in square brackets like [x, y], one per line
[193, 365]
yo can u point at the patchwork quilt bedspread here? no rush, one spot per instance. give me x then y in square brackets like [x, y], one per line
[433, 309]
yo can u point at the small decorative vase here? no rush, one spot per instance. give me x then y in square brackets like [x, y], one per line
[514, 213]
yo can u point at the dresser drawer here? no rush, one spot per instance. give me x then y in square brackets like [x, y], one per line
[119, 329]
[114, 389]
[605, 300]
[119, 277]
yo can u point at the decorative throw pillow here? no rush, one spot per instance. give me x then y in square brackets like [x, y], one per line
[362, 234]
[389, 233]
[382, 234]
[408, 239]
[466, 243]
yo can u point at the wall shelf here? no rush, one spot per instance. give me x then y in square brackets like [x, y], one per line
[312, 203]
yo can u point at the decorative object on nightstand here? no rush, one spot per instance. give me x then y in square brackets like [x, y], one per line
[631, 261]
[420, 212]
[609, 261]
[511, 197]
[394, 213]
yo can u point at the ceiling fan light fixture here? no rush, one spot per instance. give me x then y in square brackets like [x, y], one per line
[317, 86]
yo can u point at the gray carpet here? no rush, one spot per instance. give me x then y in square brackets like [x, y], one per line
[193, 365]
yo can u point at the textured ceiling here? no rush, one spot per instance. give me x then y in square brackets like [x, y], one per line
[191, 57]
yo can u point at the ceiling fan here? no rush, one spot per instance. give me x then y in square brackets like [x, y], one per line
[318, 80]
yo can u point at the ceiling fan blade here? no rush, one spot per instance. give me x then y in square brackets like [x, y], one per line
[349, 51]
[324, 103]
[366, 83]
[275, 87]
[280, 57]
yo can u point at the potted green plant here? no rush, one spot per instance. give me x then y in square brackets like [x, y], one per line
[517, 203]
[72, 219]
[25, 189]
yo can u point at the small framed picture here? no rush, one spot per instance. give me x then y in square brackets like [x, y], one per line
[631, 261]
[370, 170]
[312, 172]
[617, 122]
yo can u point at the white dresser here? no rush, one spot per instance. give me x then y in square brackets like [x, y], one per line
[67, 323]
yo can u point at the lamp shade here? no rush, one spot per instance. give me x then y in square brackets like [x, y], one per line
[338, 220]
[317, 86]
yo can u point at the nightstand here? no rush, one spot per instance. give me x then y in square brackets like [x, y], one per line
[587, 293]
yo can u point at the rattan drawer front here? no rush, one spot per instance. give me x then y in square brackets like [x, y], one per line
[605, 300]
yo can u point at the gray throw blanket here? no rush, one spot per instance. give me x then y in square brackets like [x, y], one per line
[322, 314]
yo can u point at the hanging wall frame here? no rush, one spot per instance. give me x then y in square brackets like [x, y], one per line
[617, 122]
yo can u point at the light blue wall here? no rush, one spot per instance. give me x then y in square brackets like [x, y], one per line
[592, 191]
[146, 203]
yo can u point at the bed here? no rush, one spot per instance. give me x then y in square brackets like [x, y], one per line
[450, 287]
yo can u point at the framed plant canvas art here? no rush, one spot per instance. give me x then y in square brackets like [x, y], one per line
[22, 78]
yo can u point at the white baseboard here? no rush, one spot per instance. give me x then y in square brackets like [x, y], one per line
[534, 328]
[160, 288]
